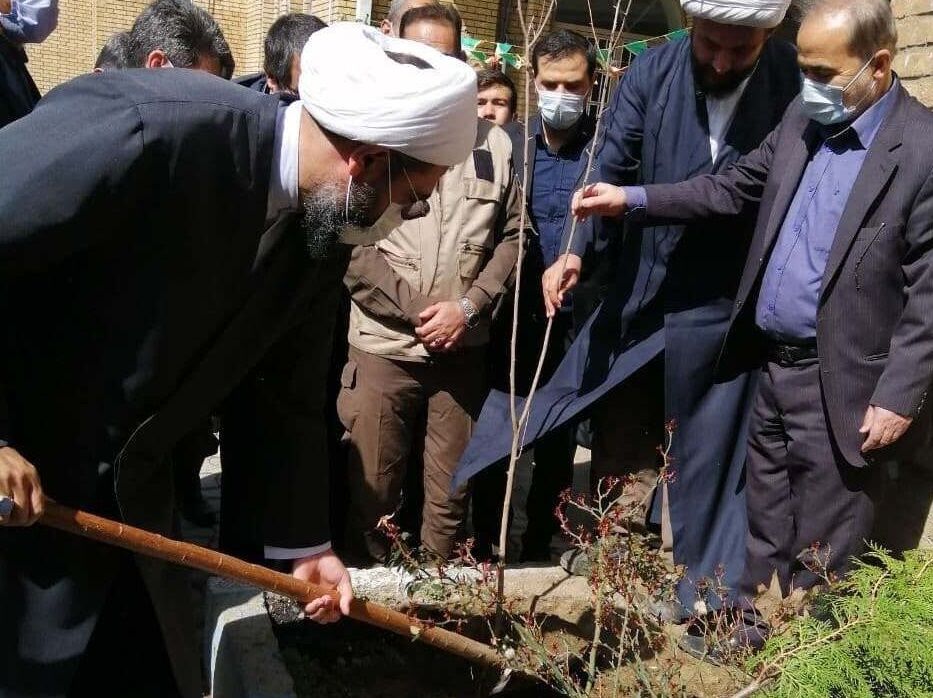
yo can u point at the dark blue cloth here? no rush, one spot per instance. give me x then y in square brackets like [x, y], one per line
[672, 292]
[553, 182]
[790, 289]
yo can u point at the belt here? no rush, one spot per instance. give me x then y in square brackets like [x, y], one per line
[789, 354]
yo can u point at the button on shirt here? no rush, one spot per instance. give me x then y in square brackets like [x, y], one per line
[790, 291]
[553, 183]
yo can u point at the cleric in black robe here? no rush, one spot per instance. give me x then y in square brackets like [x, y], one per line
[671, 297]
[165, 233]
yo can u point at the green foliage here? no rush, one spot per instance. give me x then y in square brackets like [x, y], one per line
[870, 636]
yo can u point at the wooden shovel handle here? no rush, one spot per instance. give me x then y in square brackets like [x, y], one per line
[153, 545]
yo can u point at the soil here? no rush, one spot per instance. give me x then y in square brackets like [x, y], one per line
[349, 659]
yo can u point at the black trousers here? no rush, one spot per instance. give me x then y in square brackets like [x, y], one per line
[807, 507]
[126, 656]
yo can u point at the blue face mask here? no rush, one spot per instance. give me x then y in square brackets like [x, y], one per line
[30, 21]
[560, 110]
[825, 103]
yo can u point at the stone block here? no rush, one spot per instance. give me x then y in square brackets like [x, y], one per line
[915, 31]
[906, 8]
[240, 648]
[922, 89]
[915, 62]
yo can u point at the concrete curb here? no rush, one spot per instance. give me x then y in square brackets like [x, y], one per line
[240, 648]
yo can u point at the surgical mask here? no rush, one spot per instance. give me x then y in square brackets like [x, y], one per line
[30, 21]
[391, 219]
[560, 110]
[825, 103]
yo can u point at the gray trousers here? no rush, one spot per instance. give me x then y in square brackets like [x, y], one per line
[808, 510]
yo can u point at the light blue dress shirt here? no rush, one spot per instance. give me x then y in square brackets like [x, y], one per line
[790, 291]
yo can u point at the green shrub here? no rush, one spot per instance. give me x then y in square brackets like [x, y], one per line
[870, 636]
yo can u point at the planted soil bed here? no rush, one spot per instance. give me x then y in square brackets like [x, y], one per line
[350, 659]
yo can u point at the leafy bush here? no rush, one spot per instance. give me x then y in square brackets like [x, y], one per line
[868, 636]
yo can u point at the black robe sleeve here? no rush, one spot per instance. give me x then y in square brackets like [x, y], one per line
[67, 184]
[274, 445]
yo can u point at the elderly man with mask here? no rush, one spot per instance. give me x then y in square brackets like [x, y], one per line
[422, 299]
[21, 22]
[834, 304]
[184, 248]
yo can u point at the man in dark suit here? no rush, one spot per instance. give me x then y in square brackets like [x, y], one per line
[836, 300]
[281, 66]
[189, 239]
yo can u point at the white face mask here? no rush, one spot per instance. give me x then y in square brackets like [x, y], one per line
[393, 216]
[825, 103]
[560, 110]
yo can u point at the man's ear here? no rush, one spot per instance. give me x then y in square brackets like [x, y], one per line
[385, 26]
[881, 63]
[367, 163]
[157, 59]
[272, 84]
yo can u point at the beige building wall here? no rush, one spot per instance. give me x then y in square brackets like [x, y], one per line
[85, 25]
[914, 62]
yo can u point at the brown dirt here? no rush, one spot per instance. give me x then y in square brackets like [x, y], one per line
[349, 659]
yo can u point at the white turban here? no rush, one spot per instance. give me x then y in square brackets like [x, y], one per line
[352, 87]
[765, 14]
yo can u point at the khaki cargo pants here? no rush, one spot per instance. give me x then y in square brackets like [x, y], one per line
[394, 410]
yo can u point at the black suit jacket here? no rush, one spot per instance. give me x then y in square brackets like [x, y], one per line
[875, 318]
[138, 286]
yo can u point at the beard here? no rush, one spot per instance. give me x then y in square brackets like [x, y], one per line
[325, 213]
[716, 84]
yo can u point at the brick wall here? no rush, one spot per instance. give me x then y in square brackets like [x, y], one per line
[914, 62]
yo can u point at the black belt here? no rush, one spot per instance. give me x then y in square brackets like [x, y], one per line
[789, 354]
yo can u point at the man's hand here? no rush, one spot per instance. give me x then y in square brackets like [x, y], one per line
[559, 278]
[598, 200]
[20, 481]
[327, 570]
[882, 428]
[442, 326]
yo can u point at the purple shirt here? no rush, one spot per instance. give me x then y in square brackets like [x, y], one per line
[790, 290]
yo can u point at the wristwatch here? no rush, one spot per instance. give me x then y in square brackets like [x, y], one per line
[470, 312]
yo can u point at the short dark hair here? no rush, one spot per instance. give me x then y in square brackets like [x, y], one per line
[560, 44]
[487, 77]
[115, 53]
[286, 37]
[435, 12]
[183, 31]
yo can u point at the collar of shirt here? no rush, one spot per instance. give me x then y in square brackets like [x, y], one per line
[867, 125]
[283, 180]
[582, 134]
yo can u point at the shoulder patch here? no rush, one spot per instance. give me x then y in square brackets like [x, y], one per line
[482, 163]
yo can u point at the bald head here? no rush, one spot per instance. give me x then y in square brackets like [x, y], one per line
[868, 25]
